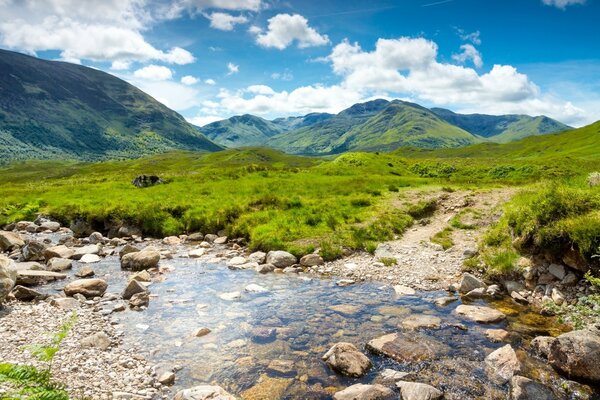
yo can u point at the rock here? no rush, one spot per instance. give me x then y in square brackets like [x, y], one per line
[96, 238]
[141, 276]
[202, 332]
[220, 240]
[237, 261]
[23, 293]
[444, 301]
[421, 321]
[418, 391]
[8, 276]
[81, 228]
[360, 391]
[89, 249]
[282, 367]
[404, 347]
[311, 260]
[141, 299]
[513, 286]
[545, 279]
[140, 260]
[64, 303]
[132, 288]
[345, 309]
[516, 296]
[257, 257]
[522, 388]
[569, 280]
[210, 238]
[263, 335]
[497, 335]
[166, 378]
[558, 270]
[231, 296]
[392, 376]
[576, 354]
[481, 314]
[196, 253]
[204, 392]
[99, 340]
[347, 360]
[51, 226]
[292, 270]
[129, 231]
[541, 345]
[494, 291]
[557, 296]
[345, 282]
[254, 288]
[144, 181]
[267, 388]
[265, 268]
[281, 259]
[503, 364]
[90, 258]
[88, 287]
[127, 249]
[195, 237]
[10, 241]
[59, 264]
[85, 272]
[30, 277]
[476, 293]
[33, 251]
[171, 241]
[470, 282]
[404, 290]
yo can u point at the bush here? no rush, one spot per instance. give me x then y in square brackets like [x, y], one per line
[330, 251]
[422, 209]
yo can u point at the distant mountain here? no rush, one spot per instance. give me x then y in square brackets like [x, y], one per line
[241, 131]
[290, 123]
[51, 109]
[502, 128]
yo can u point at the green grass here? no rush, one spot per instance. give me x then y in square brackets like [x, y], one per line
[443, 238]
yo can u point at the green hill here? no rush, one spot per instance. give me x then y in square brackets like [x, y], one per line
[502, 128]
[241, 131]
[51, 109]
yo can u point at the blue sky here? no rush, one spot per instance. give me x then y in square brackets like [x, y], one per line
[210, 59]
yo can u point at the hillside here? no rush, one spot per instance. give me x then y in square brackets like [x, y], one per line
[290, 123]
[51, 109]
[502, 128]
[241, 131]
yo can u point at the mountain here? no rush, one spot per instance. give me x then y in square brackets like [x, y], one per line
[290, 123]
[502, 128]
[377, 125]
[51, 109]
[241, 131]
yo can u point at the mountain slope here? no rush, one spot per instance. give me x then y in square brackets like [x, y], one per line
[241, 131]
[290, 123]
[502, 128]
[51, 109]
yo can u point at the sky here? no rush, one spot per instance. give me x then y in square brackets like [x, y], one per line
[211, 59]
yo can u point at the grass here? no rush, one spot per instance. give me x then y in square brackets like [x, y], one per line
[444, 238]
[388, 261]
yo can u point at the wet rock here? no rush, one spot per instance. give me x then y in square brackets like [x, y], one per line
[99, 340]
[345, 309]
[541, 345]
[444, 301]
[90, 258]
[292, 270]
[421, 321]
[519, 298]
[263, 334]
[141, 299]
[481, 314]
[254, 288]
[281, 259]
[85, 272]
[140, 260]
[418, 391]
[127, 249]
[522, 388]
[478, 293]
[89, 249]
[23, 293]
[470, 282]
[141, 276]
[239, 267]
[311, 260]
[360, 391]
[204, 392]
[59, 264]
[33, 251]
[558, 270]
[257, 257]
[196, 253]
[497, 335]
[347, 360]
[283, 367]
[267, 388]
[231, 296]
[576, 354]
[202, 332]
[405, 347]
[88, 287]
[392, 376]
[265, 268]
[10, 241]
[132, 288]
[8, 276]
[503, 364]
[401, 290]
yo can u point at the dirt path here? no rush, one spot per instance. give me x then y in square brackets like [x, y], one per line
[421, 264]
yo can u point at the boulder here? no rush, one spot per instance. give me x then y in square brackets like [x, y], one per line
[265, 268]
[23, 293]
[503, 364]
[281, 259]
[96, 238]
[171, 241]
[405, 347]
[541, 345]
[195, 237]
[204, 392]
[421, 321]
[33, 251]
[522, 388]
[360, 391]
[558, 270]
[60, 251]
[481, 314]
[347, 360]
[577, 354]
[81, 228]
[10, 241]
[59, 264]
[26, 226]
[127, 249]
[418, 391]
[470, 282]
[49, 226]
[88, 287]
[81, 251]
[132, 288]
[210, 238]
[311, 260]
[141, 299]
[257, 257]
[8, 276]
[140, 260]
[29, 277]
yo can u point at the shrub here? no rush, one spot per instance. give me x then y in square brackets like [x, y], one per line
[422, 209]
[330, 251]
[443, 238]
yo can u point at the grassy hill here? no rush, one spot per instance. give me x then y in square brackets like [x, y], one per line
[51, 109]
[241, 131]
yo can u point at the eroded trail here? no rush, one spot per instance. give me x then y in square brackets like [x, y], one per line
[421, 263]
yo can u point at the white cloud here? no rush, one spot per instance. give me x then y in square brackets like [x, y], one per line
[473, 37]
[283, 76]
[204, 119]
[154, 73]
[283, 29]
[210, 82]
[469, 52]
[175, 8]
[260, 89]
[232, 68]
[224, 21]
[119, 65]
[562, 4]
[189, 80]
[172, 94]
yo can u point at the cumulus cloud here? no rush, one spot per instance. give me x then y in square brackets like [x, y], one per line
[204, 119]
[210, 82]
[189, 80]
[154, 73]
[562, 4]
[224, 21]
[172, 94]
[232, 68]
[469, 52]
[177, 7]
[473, 37]
[283, 76]
[284, 29]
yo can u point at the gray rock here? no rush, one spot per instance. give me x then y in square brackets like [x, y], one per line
[140, 260]
[311, 260]
[220, 240]
[347, 360]
[470, 282]
[10, 241]
[85, 272]
[481, 314]
[541, 345]
[513, 286]
[89, 249]
[257, 257]
[195, 237]
[265, 268]
[558, 270]
[418, 391]
[263, 335]
[60, 251]
[570, 280]
[478, 293]
[421, 321]
[49, 226]
[141, 299]
[33, 251]
[444, 301]
[8, 276]
[96, 238]
[89, 258]
[576, 354]
[281, 259]
[141, 276]
[132, 288]
[360, 391]
[28, 277]
[81, 228]
[407, 347]
[127, 249]
[401, 290]
[503, 364]
[88, 287]
[204, 392]
[59, 264]
[23, 293]
[522, 388]
[99, 340]
[65, 303]
[128, 231]
[392, 376]
[210, 238]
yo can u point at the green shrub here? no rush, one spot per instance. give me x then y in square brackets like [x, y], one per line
[443, 238]
[422, 209]
[330, 251]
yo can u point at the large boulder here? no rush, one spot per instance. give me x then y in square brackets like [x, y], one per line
[60, 251]
[140, 260]
[10, 241]
[87, 287]
[577, 354]
[503, 364]
[33, 251]
[8, 276]
[204, 392]
[281, 259]
[347, 360]
[364, 392]
[418, 391]
[522, 388]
